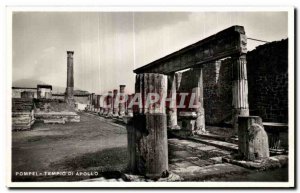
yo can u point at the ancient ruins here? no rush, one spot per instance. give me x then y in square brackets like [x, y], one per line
[182, 72]
[39, 105]
[204, 84]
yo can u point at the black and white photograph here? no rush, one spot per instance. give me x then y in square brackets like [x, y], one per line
[151, 97]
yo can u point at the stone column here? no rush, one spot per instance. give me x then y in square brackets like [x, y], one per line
[109, 104]
[253, 139]
[101, 105]
[149, 151]
[105, 109]
[200, 120]
[122, 101]
[98, 103]
[129, 106]
[239, 89]
[70, 78]
[115, 103]
[92, 101]
[171, 105]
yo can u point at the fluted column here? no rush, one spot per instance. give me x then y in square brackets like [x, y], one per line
[239, 88]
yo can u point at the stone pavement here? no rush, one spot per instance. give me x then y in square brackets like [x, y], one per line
[202, 159]
[194, 161]
[190, 161]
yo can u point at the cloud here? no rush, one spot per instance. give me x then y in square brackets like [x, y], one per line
[49, 50]
[156, 20]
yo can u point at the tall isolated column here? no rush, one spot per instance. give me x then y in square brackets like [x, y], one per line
[70, 77]
[239, 88]
[148, 147]
[171, 107]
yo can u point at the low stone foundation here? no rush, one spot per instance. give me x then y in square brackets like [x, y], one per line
[278, 161]
[22, 113]
[22, 120]
[57, 117]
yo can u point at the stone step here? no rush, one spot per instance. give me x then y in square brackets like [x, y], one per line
[196, 173]
[230, 146]
[58, 121]
[218, 137]
[220, 144]
[277, 161]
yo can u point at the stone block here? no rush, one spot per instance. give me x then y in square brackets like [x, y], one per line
[253, 139]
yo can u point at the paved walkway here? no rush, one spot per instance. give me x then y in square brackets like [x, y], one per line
[194, 161]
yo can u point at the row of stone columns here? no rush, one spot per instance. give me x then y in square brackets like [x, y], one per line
[197, 122]
[116, 104]
[147, 134]
[239, 93]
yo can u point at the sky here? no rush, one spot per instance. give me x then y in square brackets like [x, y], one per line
[108, 46]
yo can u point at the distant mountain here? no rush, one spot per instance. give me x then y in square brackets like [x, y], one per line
[30, 83]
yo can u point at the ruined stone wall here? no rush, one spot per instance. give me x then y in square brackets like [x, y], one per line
[217, 88]
[58, 96]
[268, 81]
[16, 92]
[188, 81]
[217, 96]
[51, 105]
[22, 113]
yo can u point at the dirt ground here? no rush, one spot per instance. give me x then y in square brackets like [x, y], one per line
[91, 146]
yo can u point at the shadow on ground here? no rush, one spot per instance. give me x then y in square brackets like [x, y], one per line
[108, 163]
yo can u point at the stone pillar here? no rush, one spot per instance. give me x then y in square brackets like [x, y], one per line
[239, 89]
[131, 139]
[101, 104]
[98, 103]
[115, 103]
[200, 120]
[92, 102]
[253, 139]
[129, 109]
[122, 99]
[149, 144]
[171, 105]
[109, 103]
[105, 106]
[70, 77]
